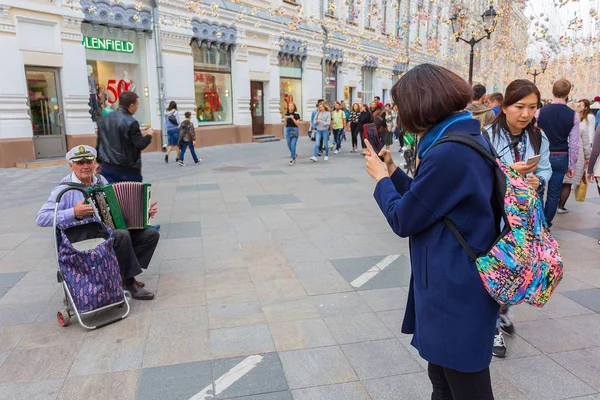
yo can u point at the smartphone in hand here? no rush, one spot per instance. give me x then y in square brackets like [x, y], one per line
[374, 137]
[534, 160]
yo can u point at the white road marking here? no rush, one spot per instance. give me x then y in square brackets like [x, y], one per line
[229, 378]
[372, 272]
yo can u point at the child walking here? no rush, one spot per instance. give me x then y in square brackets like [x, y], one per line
[187, 138]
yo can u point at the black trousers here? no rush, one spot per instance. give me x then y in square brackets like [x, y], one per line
[449, 384]
[134, 250]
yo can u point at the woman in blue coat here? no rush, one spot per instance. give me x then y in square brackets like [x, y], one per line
[449, 312]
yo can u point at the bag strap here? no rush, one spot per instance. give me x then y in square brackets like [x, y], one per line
[489, 154]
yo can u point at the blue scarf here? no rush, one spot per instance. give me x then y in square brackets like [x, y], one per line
[436, 132]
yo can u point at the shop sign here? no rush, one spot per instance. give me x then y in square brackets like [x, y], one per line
[120, 46]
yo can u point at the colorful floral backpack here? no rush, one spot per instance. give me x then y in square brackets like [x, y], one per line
[523, 264]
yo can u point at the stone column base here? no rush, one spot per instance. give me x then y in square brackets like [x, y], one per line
[16, 150]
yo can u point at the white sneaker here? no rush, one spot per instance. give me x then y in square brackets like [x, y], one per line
[562, 211]
[336, 152]
[199, 161]
[292, 162]
[181, 163]
[314, 159]
[326, 158]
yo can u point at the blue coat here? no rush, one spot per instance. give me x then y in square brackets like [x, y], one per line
[449, 312]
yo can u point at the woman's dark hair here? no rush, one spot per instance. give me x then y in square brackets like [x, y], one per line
[428, 94]
[516, 91]
[586, 109]
[172, 106]
[126, 99]
[366, 106]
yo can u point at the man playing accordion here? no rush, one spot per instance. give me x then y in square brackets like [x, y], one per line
[133, 248]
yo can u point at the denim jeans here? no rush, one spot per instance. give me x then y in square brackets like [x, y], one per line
[559, 164]
[291, 135]
[189, 145]
[324, 136]
[337, 137]
[114, 176]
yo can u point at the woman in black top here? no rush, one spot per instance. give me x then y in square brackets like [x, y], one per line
[353, 119]
[365, 117]
[292, 120]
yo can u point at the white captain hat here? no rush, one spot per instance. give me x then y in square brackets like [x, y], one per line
[81, 152]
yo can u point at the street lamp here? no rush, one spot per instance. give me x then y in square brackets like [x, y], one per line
[489, 18]
[535, 73]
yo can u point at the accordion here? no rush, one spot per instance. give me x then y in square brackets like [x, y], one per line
[123, 205]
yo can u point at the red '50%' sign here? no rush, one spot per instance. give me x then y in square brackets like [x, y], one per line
[115, 89]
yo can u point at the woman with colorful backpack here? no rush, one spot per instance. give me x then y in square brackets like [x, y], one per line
[449, 312]
[523, 146]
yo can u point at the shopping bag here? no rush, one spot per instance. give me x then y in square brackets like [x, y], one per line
[581, 190]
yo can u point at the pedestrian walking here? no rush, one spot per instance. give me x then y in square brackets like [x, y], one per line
[587, 120]
[354, 128]
[583, 156]
[593, 169]
[518, 141]
[173, 120]
[390, 122]
[323, 123]
[449, 312]
[338, 122]
[292, 120]
[379, 118]
[344, 108]
[313, 124]
[480, 111]
[561, 126]
[365, 117]
[187, 139]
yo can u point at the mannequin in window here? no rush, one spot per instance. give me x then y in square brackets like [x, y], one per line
[212, 96]
[127, 85]
[92, 91]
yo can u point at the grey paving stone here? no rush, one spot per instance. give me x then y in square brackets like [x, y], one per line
[200, 187]
[39, 390]
[44, 363]
[114, 348]
[289, 310]
[325, 284]
[187, 333]
[337, 180]
[330, 305]
[550, 336]
[241, 340]
[560, 306]
[593, 233]
[3, 291]
[123, 386]
[36, 278]
[235, 314]
[393, 320]
[316, 367]
[589, 298]
[585, 364]
[301, 334]
[380, 358]
[268, 396]
[267, 377]
[267, 173]
[274, 199]
[357, 328]
[345, 391]
[411, 386]
[544, 379]
[9, 280]
[385, 299]
[179, 230]
[400, 276]
[174, 382]
[586, 326]
[29, 294]
[16, 314]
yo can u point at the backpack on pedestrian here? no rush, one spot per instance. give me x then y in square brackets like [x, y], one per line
[523, 264]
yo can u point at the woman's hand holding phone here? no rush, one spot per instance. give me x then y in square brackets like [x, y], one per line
[386, 157]
[375, 166]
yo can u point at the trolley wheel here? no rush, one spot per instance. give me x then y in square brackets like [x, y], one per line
[127, 294]
[64, 319]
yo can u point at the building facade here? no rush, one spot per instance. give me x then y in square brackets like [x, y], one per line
[235, 66]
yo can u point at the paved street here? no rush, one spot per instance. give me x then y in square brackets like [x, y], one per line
[261, 294]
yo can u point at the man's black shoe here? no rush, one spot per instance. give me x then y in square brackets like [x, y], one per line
[139, 293]
[506, 325]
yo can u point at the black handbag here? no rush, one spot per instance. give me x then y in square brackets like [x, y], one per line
[173, 119]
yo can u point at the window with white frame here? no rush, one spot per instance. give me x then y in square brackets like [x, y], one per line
[352, 15]
[369, 8]
[367, 84]
[329, 8]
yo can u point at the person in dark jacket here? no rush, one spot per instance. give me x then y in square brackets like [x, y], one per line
[365, 117]
[449, 312]
[353, 119]
[120, 142]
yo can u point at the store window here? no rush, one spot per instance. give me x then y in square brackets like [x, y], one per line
[212, 84]
[116, 62]
[331, 70]
[290, 83]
